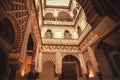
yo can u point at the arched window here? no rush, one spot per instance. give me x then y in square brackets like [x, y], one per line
[48, 34]
[63, 16]
[30, 46]
[67, 34]
[49, 16]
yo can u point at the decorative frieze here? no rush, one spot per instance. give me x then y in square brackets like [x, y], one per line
[89, 40]
[59, 48]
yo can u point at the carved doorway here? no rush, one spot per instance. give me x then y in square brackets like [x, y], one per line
[71, 69]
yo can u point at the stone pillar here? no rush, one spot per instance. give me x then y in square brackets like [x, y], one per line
[25, 40]
[58, 67]
[56, 14]
[93, 59]
[38, 60]
[14, 67]
[83, 66]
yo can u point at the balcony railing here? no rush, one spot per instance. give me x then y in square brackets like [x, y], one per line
[59, 22]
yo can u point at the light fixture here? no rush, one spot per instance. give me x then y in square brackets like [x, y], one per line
[22, 73]
[91, 74]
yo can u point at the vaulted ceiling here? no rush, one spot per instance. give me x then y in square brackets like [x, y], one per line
[57, 3]
[76, 17]
[56, 17]
[60, 12]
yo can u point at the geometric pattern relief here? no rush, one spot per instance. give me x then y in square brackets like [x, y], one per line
[89, 40]
[18, 9]
[49, 57]
[60, 48]
[20, 12]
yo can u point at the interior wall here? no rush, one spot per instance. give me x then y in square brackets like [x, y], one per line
[115, 58]
[3, 63]
[104, 66]
[90, 69]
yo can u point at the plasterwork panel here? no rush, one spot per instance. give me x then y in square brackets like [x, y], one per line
[49, 57]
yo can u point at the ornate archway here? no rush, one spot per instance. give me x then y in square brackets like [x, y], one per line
[71, 68]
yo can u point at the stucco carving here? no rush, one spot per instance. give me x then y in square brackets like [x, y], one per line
[40, 63]
[58, 68]
[83, 65]
[93, 58]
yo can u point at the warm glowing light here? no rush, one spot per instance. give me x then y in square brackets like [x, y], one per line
[91, 74]
[57, 2]
[23, 73]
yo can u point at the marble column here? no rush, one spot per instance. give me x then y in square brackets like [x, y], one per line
[58, 67]
[82, 62]
[83, 66]
[40, 62]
